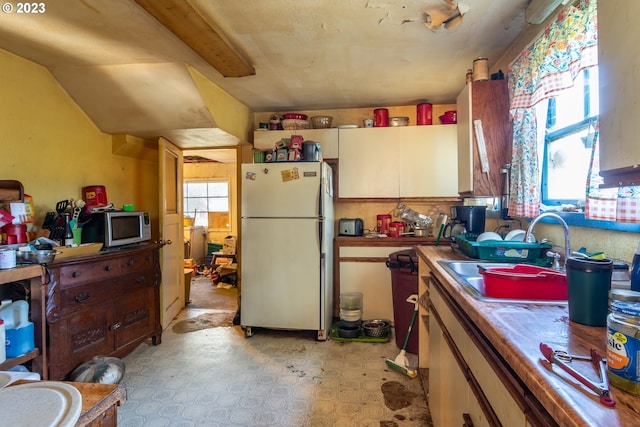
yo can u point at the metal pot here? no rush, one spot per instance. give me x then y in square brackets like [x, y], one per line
[36, 257]
[420, 231]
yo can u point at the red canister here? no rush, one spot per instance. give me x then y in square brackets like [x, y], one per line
[381, 117]
[16, 233]
[383, 221]
[95, 195]
[424, 114]
[396, 228]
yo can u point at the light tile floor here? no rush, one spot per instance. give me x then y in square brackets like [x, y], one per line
[217, 377]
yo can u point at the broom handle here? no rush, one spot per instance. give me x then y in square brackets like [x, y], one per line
[413, 319]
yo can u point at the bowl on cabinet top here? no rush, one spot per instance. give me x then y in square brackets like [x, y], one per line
[321, 122]
[447, 120]
[294, 116]
[399, 121]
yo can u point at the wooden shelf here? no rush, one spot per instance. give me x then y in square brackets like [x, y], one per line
[15, 361]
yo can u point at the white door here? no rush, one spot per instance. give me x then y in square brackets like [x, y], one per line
[171, 231]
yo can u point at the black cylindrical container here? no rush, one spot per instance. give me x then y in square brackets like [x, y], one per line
[589, 282]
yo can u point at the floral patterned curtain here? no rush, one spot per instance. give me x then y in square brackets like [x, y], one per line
[543, 69]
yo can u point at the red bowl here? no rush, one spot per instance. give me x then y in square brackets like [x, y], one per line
[447, 121]
[294, 116]
[452, 114]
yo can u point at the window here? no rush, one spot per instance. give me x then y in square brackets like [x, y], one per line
[569, 132]
[208, 202]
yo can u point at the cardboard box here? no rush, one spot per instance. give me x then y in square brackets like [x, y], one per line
[229, 245]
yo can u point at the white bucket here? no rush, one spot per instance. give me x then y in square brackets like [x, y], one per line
[7, 259]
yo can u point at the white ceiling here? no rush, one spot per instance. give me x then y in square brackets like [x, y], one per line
[131, 75]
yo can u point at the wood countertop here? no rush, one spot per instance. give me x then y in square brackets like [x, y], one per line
[516, 331]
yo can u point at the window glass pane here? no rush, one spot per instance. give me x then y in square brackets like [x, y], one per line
[568, 165]
[218, 189]
[197, 189]
[570, 104]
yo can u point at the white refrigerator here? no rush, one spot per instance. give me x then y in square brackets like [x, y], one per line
[286, 243]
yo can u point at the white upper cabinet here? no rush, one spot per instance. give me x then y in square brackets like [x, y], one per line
[619, 62]
[328, 139]
[394, 162]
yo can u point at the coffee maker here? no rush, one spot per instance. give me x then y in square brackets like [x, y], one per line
[472, 217]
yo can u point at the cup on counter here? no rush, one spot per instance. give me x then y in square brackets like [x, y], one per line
[588, 285]
[368, 123]
[77, 235]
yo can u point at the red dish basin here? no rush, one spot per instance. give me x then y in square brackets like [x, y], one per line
[522, 281]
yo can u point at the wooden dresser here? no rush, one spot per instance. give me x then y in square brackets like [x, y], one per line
[101, 304]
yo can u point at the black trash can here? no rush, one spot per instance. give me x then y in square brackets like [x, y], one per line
[404, 283]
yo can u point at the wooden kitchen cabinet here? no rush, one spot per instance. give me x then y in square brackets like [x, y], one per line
[397, 162]
[619, 60]
[104, 304]
[328, 139]
[487, 101]
[461, 382]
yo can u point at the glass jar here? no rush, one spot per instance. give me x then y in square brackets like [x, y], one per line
[623, 340]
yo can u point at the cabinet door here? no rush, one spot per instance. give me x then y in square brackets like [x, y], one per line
[428, 161]
[328, 139]
[448, 389]
[364, 269]
[368, 163]
[487, 101]
[76, 338]
[619, 60]
[134, 316]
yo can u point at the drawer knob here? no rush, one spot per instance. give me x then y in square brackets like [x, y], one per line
[83, 297]
[76, 274]
[108, 268]
[131, 262]
[141, 279]
[115, 326]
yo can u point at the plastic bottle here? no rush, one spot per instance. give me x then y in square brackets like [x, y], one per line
[635, 270]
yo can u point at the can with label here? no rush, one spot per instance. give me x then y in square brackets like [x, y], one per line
[383, 221]
[7, 259]
[480, 69]
[623, 340]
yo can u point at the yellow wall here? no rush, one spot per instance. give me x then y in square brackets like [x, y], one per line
[230, 115]
[55, 150]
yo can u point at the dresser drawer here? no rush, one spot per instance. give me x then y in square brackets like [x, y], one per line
[74, 298]
[94, 272]
[136, 263]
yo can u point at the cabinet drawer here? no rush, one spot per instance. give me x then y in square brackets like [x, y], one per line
[94, 272]
[74, 298]
[139, 263]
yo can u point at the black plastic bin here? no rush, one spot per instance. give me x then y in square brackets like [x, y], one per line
[404, 283]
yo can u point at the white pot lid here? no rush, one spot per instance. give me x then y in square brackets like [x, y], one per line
[58, 404]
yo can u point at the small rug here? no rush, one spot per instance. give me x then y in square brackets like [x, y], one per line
[204, 321]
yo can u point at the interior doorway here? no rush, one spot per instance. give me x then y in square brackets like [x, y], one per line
[211, 203]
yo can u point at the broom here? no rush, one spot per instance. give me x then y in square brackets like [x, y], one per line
[400, 363]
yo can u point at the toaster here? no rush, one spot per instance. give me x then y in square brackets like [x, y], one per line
[350, 227]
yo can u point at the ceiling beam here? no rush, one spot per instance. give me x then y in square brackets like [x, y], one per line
[189, 26]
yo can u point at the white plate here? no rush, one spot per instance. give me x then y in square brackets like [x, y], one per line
[56, 404]
[348, 126]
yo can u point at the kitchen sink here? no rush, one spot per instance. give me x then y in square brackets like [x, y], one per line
[467, 274]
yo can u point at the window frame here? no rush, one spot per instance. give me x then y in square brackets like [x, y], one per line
[227, 181]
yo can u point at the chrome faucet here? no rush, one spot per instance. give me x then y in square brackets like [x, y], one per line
[565, 229]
